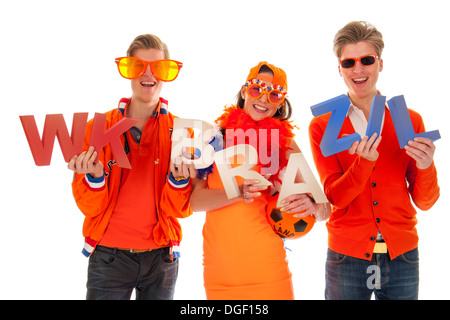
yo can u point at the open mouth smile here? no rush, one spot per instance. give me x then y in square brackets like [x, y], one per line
[259, 108]
[360, 80]
[147, 84]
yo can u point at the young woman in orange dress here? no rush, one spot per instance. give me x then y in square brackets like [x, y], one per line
[243, 257]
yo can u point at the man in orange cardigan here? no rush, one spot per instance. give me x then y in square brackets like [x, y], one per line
[372, 238]
[130, 228]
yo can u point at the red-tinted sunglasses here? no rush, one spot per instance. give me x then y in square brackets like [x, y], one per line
[365, 61]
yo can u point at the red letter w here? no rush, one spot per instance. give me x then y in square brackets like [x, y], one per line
[54, 126]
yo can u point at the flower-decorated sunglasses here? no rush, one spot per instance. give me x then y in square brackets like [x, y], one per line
[256, 88]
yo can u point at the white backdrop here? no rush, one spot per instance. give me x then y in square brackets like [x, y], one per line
[58, 57]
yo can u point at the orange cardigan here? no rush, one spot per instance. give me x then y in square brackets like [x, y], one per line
[371, 195]
[96, 198]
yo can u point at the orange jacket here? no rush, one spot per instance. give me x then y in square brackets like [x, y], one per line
[96, 198]
[371, 195]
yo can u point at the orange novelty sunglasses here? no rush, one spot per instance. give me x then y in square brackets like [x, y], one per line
[256, 89]
[164, 70]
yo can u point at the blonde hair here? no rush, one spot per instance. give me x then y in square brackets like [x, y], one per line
[148, 41]
[357, 31]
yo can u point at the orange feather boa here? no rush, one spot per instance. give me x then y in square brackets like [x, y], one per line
[235, 118]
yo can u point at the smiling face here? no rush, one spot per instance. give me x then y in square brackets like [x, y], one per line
[146, 88]
[360, 80]
[259, 108]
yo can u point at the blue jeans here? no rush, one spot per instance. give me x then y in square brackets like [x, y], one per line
[113, 274]
[350, 278]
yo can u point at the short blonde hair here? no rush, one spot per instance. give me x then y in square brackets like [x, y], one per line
[148, 41]
[357, 31]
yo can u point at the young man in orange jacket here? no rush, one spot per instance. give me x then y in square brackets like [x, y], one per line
[131, 233]
[372, 239]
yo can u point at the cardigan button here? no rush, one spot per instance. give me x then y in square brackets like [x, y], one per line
[372, 238]
[374, 184]
[377, 220]
[367, 255]
[375, 203]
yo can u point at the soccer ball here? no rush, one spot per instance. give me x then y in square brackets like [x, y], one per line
[285, 224]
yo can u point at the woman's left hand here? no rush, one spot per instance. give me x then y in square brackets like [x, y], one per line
[297, 203]
[300, 202]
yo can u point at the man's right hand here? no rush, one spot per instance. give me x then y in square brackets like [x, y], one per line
[366, 148]
[84, 164]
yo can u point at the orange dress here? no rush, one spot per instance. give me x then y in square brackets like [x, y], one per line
[243, 257]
